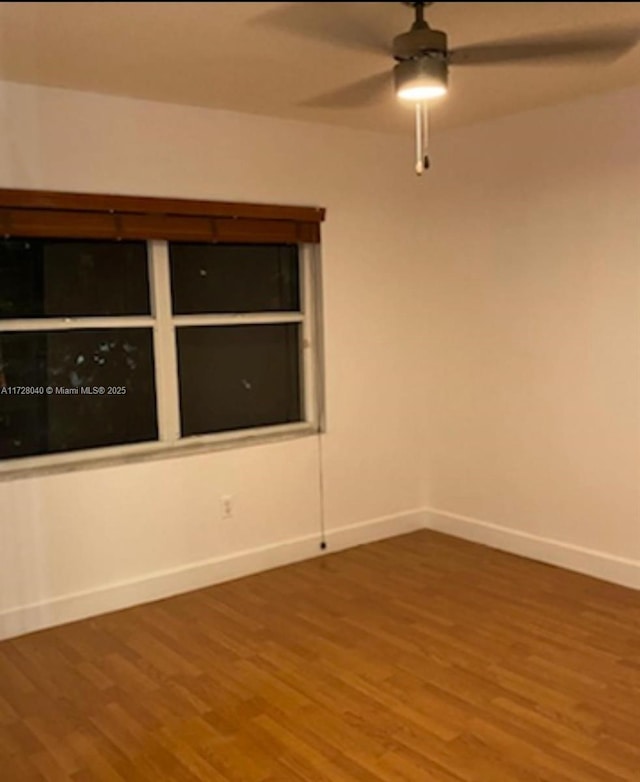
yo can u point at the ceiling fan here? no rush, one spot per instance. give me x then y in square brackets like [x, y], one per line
[422, 57]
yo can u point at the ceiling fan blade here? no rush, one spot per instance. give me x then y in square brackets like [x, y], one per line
[596, 45]
[360, 93]
[335, 23]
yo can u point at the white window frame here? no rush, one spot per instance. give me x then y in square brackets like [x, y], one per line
[164, 323]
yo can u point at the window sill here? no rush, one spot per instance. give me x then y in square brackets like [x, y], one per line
[35, 466]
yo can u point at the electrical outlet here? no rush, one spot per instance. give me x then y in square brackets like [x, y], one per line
[226, 507]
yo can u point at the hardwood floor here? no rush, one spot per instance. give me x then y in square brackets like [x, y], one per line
[422, 658]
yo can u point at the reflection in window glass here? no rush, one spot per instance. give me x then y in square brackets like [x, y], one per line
[234, 278]
[238, 377]
[42, 278]
[72, 364]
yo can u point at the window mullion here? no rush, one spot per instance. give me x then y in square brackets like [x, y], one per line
[70, 324]
[240, 319]
[166, 366]
[308, 336]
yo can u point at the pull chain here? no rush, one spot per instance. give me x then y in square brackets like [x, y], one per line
[422, 137]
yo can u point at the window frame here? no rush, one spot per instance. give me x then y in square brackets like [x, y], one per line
[163, 324]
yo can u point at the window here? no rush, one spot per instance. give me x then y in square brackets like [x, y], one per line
[243, 374]
[125, 346]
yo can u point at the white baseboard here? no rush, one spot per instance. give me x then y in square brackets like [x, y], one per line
[599, 564]
[377, 529]
[161, 584]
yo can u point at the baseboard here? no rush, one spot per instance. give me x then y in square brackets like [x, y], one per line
[376, 529]
[599, 564]
[162, 584]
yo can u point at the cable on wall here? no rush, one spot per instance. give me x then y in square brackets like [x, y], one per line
[320, 411]
[321, 497]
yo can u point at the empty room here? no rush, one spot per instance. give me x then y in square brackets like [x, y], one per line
[319, 392]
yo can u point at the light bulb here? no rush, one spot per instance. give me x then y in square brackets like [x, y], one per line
[419, 92]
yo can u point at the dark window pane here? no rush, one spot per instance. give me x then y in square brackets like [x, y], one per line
[42, 278]
[80, 359]
[238, 377]
[234, 278]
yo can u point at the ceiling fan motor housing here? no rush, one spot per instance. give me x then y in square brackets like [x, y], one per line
[419, 42]
[421, 56]
[421, 72]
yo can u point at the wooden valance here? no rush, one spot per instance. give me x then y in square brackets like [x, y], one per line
[89, 216]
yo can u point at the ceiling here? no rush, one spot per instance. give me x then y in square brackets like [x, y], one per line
[223, 55]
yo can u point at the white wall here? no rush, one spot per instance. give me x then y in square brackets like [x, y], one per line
[532, 335]
[76, 543]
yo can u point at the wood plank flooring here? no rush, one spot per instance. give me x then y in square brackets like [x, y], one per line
[417, 659]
